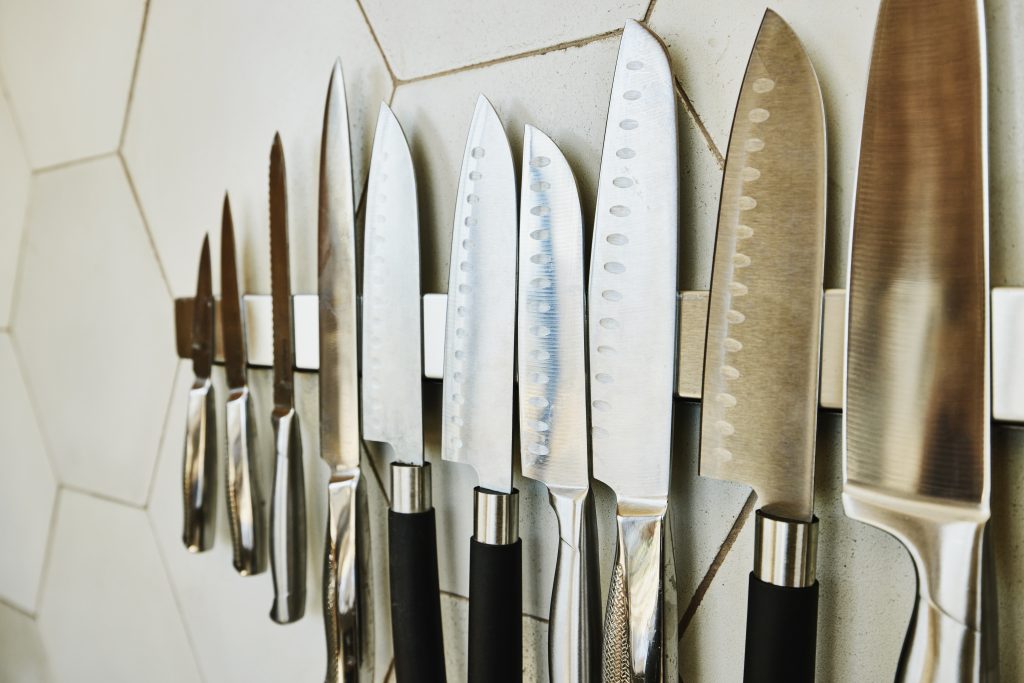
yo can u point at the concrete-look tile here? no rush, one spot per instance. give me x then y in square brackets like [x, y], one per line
[27, 489]
[15, 179]
[107, 611]
[204, 112]
[93, 328]
[68, 67]
[428, 37]
[22, 656]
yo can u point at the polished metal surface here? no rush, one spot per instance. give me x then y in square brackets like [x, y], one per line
[410, 488]
[785, 551]
[201, 349]
[480, 323]
[759, 418]
[280, 279]
[232, 329]
[495, 516]
[392, 368]
[917, 428]
[288, 520]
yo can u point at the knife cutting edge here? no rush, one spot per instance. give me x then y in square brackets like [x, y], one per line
[759, 414]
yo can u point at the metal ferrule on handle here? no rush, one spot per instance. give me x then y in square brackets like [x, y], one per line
[288, 521]
[410, 488]
[785, 551]
[495, 517]
[199, 471]
[244, 500]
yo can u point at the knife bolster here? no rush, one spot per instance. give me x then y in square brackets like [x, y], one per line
[410, 488]
[495, 516]
[785, 551]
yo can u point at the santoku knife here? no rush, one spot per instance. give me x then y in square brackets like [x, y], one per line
[917, 429]
[760, 393]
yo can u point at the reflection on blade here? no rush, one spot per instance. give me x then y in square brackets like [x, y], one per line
[280, 278]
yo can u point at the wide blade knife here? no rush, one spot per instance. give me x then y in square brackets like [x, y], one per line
[346, 598]
[632, 337]
[553, 394]
[288, 506]
[759, 414]
[393, 399]
[477, 405]
[917, 428]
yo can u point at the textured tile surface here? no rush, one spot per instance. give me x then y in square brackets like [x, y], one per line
[94, 329]
[22, 656]
[14, 188]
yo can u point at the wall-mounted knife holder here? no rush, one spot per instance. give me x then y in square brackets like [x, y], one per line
[1007, 342]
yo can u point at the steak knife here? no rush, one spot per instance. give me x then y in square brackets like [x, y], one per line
[288, 507]
[553, 394]
[917, 429]
[199, 470]
[760, 407]
[393, 399]
[632, 336]
[477, 405]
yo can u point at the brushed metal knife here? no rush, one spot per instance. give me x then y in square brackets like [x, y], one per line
[918, 414]
[553, 395]
[760, 408]
[288, 506]
[632, 336]
[477, 405]
[199, 472]
[347, 603]
[393, 399]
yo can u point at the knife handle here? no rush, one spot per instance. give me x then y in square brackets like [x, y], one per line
[288, 521]
[199, 471]
[495, 589]
[244, 504]
[634, 627]
[782, 602]
[415, 596]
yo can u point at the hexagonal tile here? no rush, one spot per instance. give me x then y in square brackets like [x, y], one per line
[68, 67]
[14, 187]
[22, 657]
[205, 109]
[94, 329]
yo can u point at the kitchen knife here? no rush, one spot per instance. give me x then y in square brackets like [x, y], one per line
[393, 399]
[553, 395]
[760, 393]
[477, 406]
[245, 508]
[632, 337]
[288, 507]
[346, 598]
[917, 428]
[199, 471]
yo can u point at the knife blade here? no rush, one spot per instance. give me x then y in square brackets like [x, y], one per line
[288, 506]
[759, 415]
[347, 602]
[632, 335]
[199, 472]
[393, 401]
[478, 376]
[553, 392]
[917, 428]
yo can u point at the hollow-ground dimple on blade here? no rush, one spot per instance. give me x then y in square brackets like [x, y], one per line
[202, 316]
[231, 303]
[280, 278]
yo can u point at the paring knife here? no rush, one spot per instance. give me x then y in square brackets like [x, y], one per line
[632, 337]
[477, 407]
[917, 429]
[347, 603]
[245, 507]
[393, 400]
[288, 507]
[199, 470]
[760, 405]
[553, 395]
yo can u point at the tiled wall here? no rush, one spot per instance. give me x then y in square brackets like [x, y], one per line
[122, 122]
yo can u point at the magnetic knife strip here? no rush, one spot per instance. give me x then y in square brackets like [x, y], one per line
[1007, 313]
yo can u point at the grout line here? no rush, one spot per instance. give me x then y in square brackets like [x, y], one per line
[380, 47]
[51, 534]
[708, 140]
[19, 264]
[391, 670]
[135, 76]
[649, 12]
[163, 435]
[18, 131]
[145, 225]
[61, 165]
[36, 412]
[105, 497]
[20, 610]
[453, 595]
[541, 620]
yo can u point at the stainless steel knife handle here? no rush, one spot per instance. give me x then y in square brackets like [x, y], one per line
[634, 625]
[288, 521]
[244, 499]
[199, 470]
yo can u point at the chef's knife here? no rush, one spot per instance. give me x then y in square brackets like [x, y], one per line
[199, 471]
[553, 394]
[477, 406]
[632, 338]
[393, 399]
[764, 333]
[245, 509]
[288, 507]
[917, 429]
[346, 598]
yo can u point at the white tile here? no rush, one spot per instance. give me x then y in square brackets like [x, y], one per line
[205, 108]
[22, 657]
[14, 187]
[68, 66]
[27, 489]
[107, 611]
[94, 329]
